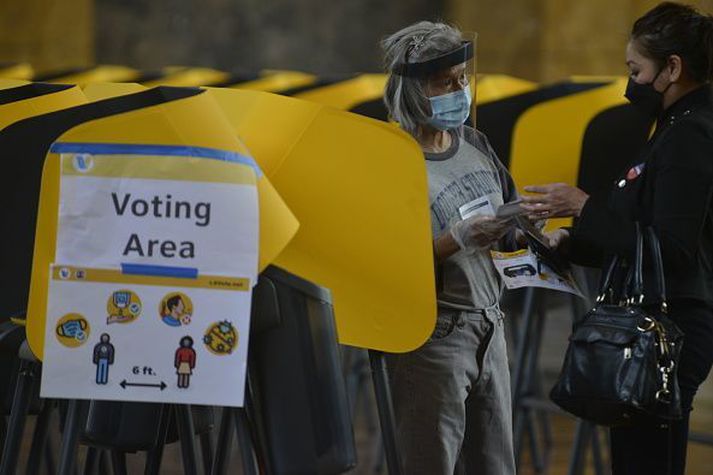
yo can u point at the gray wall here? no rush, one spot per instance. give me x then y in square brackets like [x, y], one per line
[249, 35]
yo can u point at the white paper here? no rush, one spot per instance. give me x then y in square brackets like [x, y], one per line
[523, 269]
[92, 232]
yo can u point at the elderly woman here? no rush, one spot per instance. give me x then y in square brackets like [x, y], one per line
[452, 395]
[670, 187]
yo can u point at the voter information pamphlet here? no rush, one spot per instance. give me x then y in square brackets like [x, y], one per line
[524, 268]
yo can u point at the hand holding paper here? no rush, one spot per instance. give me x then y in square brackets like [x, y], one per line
[479, 232]
[510, 210]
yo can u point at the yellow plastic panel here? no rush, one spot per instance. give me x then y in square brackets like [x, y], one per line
[107, 90]
[106, 73]
[195, 121]
[358, 188]
[42, 104]
[10, 83]
[547, 140]
[277, 81]
[17, 71]
[493, 87]
[586, 79]
[347, 94]
[189, 77]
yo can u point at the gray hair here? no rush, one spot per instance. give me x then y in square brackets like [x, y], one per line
[405, 97]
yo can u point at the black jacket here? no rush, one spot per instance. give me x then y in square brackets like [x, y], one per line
[669, 186]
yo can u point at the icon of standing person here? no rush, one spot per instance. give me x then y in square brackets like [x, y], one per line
[103, 357]
[185, 361]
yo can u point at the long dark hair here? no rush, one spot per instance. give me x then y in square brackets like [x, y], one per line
[672, 28]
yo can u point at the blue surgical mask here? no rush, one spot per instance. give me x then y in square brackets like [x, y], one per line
[450, 111]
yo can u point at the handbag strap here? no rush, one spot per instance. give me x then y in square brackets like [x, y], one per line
[632, 287]
[637, 289]
[607, 276]
[655, 249]
[651, 241]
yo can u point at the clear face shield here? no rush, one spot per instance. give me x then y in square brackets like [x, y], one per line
[449, 82]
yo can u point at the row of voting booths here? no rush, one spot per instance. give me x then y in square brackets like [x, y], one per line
[199, 256]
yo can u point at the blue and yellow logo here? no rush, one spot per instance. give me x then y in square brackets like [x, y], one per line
[72, 330]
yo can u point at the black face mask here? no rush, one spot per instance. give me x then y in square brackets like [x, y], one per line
[645, 97]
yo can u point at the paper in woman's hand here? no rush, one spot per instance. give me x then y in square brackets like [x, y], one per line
[510, 210]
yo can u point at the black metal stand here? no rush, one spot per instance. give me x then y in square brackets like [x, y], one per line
[386, 410]
[49, 455]
[91, 461]
[118, 462]
[527, 419]
[225, 440]
[186, 432]
[245, 441]
[70, 438]
[104, 461]
[521, 346]
[206, 442]
[155, 455]
[18, 416]
[39, 438]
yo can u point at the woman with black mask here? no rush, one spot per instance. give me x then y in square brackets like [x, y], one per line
[670, 187]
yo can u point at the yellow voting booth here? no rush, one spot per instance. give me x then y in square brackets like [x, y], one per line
[168, 124]
[181, 76]
[276, 81]
[358, 188]
[348, 93]
[493, 87]
[323, 163]
[194, 121]
[364, 88]
[101, 73]
[547, 140]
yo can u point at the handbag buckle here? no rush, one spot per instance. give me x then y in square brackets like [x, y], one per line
[664, 396]
[650, 324]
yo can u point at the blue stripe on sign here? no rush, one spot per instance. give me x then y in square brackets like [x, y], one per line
[161, 150]
[160, 271]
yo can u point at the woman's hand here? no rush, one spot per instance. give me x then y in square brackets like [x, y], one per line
[556, 200]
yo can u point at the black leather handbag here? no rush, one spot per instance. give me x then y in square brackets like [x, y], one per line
[622, 358]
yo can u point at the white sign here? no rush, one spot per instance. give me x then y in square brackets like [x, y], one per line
[107, 221]
[149, 297]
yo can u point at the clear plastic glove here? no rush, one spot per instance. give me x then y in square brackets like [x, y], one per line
[479, 232]
[557, 238]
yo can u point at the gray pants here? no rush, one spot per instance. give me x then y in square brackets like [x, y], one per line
[452, 398]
